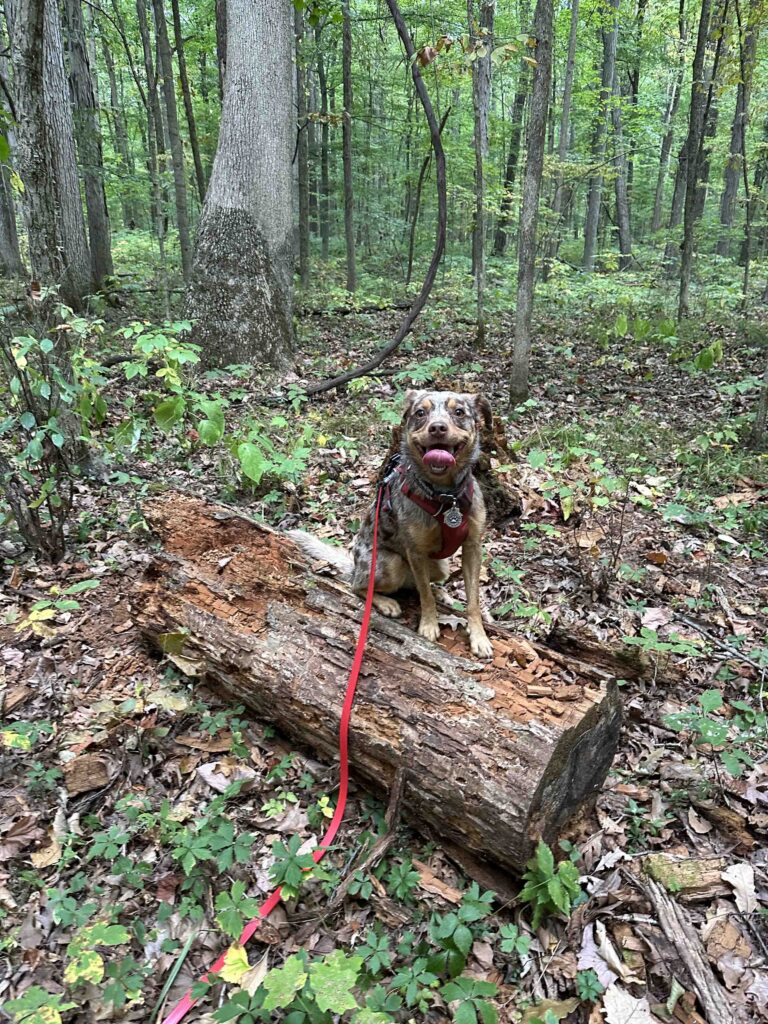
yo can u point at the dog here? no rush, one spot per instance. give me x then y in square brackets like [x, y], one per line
[430, 507]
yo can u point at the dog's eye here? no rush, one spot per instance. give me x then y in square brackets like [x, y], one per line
[459, 413]
[420, 414]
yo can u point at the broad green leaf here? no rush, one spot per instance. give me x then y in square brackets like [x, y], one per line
[169, 412]
[333, 980]
[282, 983]
[252, 461]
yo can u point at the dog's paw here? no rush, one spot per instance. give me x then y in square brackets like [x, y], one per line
[387, 606]
[480, 645]
[429, 629]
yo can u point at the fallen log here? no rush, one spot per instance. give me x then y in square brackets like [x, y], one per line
[496, 755]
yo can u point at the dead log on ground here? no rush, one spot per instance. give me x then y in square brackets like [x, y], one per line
[496, 755]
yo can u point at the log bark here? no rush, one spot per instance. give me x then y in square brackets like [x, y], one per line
[489, 766]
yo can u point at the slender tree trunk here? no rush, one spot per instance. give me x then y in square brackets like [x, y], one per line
[349, 196]
[563, 141]
[165, 66]
[302, 149]
[501, 236]
[189, 110]
[595, 195]
[221, 43]
[529, 210]
[76, 282]
[733, 165]
[11, 264]
[417, 201]
[481, 37]
[325, 187]
[123, 150]
[669, 121]
[634, 84]
[240, 290]
[759, 179]
[88, 135]
[696, 122]
[621, 182]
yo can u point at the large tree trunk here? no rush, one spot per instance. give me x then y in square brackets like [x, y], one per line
[595, 194]
[88, 135]
[165, 67]
[481, 37]
[497, 755]
[562, 141]
[529, 210]
[734, 164]
[346, 143]
[240, 290]
[76, 282]
[669, 120]
[186, 93]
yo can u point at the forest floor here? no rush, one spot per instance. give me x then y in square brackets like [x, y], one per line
[643, 529]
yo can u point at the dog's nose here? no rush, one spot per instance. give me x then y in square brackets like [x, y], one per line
[438, 429]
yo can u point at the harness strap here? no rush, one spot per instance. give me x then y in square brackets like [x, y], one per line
[451, 536]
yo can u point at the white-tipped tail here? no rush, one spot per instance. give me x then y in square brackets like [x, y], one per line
[338, 557]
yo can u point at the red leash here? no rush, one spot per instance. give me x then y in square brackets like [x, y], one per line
[185, 1004]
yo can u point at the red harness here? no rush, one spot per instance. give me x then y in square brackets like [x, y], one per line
[440, 508]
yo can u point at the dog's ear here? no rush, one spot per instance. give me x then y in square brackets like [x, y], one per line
[483, 411]
[411, 397]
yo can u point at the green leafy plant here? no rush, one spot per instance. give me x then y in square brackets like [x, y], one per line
[731, 732]
[37, 1006]
[549, 889]
[588, 986]
[471, 994]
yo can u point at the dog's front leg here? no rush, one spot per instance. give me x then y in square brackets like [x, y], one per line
[471, 559]
[428, 626]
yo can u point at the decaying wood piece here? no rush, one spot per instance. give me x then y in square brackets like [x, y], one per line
[489, 768]
[677, 927]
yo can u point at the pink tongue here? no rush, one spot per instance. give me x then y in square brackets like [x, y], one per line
[438, 457]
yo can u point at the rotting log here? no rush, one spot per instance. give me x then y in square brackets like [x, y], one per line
[496, 755]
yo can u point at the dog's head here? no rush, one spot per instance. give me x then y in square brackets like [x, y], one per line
[444, 421]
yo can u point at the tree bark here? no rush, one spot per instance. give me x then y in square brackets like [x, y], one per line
[529, 210]
[425, 164]
[634, 84]
[349, 196]
[492, 767]
[563, 139]
[88, 135]
[669, 121]
[694, 145]
[76, 282]
[186, 93]
[621, 180]
[501, 236]
[221, 43]
[325, 186]
[734, 163]
[241, 284]
[302, 149]
[595, 194]
[481, 37]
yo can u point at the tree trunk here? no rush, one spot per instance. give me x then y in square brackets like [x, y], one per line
[76, 282]
[165, 67]
[501, 236]
[595, 194]
[563, 140]
[529, 210]
[325, 186]
[621, 182]
[696, 122]
[88, 135]
[127, 168]
[189, 110]
[757, 436]
[240, 289]
[498, 756]
[221, 43]
[733, 164]
[634, 85]
[669, 122]
[349, 197]
[11, 264]
[481, 38]
[302, 150]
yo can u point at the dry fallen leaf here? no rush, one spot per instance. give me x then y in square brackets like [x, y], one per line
[429, 882]
[622, 1008]
[742, 878]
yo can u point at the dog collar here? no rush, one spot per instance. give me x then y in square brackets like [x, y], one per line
[450, 510]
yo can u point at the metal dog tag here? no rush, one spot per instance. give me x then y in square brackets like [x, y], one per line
[453, 517]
